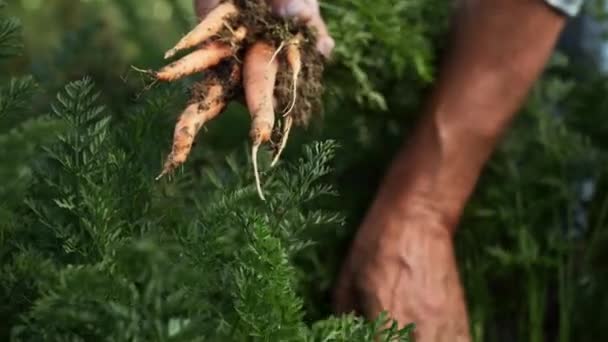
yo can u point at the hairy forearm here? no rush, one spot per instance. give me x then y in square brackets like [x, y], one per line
[402, 259]
[499, 48]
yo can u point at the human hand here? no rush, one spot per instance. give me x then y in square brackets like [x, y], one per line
[306, 11]
[237, 44]
[402, 262]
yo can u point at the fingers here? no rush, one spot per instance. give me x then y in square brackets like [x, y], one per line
[300, 9]
[203, 7]
[325, 43]
[307, 11]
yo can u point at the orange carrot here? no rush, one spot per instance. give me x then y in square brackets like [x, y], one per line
[196, 61]
[239, 34]
[190, 123]
[294, 59]
[208, 27]
[259, 77]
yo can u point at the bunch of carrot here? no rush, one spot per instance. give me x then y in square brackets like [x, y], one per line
[235, 53]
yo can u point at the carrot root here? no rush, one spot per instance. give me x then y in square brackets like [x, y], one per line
[183, 138]
[189, 124]
[197, 61]
[294, 59]
[276, 53]
[208, 27]
[295, 97]
[239, 34]
[284, 138]
[254, 158]
[259, 77]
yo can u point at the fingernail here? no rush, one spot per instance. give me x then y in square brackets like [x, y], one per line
[325, 45]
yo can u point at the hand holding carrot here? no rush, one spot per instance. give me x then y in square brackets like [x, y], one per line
[243, 49]
[306, 11]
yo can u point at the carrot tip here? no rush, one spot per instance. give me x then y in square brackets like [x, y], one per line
[170, 53]
[254, 158]
[168, 168]
[162, 174]
[149, 72]
[240, 33]
[206, 28]
[283, 144]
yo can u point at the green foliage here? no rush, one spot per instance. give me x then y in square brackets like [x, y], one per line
[218, 265]
[104, 267]
[92, 248]
[352, 328]
[21, 130]
[78, 174]
[371, 49]
[266, 302]
[10, 36]
[533, 212]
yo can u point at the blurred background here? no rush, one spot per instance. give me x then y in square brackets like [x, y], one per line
[533, 246]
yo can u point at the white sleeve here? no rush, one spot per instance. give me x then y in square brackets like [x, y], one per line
[568, 7]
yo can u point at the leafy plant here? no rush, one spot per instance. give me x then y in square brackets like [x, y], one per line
[92, 248]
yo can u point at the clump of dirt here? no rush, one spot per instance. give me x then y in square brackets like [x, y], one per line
[261, 24]
[223, 40]
[226, 74]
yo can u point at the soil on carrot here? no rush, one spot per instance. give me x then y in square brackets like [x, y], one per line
[223, 41]
[227, 74]
[262, 25]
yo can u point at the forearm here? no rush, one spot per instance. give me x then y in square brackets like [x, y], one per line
[499, 49]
